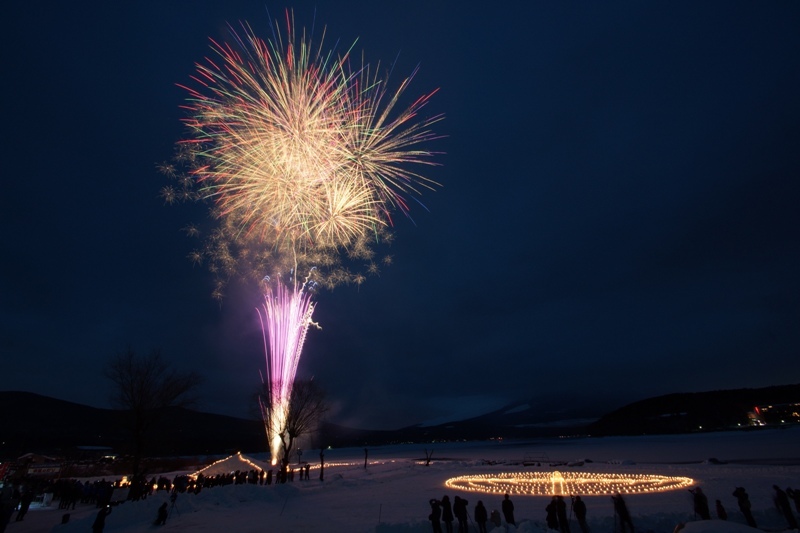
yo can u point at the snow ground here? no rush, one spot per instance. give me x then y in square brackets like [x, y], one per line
[391, 495]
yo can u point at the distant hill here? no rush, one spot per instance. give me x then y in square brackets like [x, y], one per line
[671, 413]
[533, 419]
[692, 412]
[35, 423]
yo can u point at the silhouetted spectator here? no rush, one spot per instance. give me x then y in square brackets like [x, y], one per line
[76, 491]
[579, 506]
[68, 494]
[782, 502]
[551, 518]
[460, 512]
[436, 515]
[480, 517]
[561, 514]
[721, 514]
[622, 513]
[100, 522]
[744, 505]
[27, 497]
[447, 514]
[104, 489]
[700, 504]
[794, 495]
[9, 498]
[495, 517]
[508, 510]
[161, 517]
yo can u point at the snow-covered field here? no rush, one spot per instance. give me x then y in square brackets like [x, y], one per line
[392, 493]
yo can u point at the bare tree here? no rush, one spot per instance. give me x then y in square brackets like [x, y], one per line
[145, 387]
[428, 456]
[307, 407]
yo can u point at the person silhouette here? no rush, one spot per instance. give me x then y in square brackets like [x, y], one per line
[508, 510]
[744, 505]
[622, 512]
[447, 514]
[161, 517]
[579, 506]
[436, 515]
[481, 516]
[782, 502]
[100, 521]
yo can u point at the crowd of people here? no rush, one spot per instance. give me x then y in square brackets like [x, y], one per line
[556, 512]
[445, 511]
[67, 492]
[195, 484]
[558, 518]
[782, 503]
[70, 492]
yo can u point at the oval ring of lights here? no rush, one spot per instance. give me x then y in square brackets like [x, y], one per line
[557, 483]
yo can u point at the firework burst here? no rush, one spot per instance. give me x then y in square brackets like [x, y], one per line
[296, 148]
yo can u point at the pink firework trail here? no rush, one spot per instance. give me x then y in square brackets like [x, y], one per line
[285, 317]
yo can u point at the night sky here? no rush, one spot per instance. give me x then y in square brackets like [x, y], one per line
[618, 218]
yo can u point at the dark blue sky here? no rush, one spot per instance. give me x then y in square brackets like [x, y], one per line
[619, 217]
